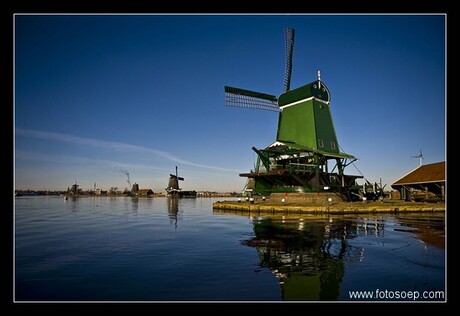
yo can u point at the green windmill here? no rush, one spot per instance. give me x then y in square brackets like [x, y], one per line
[305, 156]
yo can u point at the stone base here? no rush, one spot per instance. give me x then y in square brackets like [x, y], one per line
[318, 197]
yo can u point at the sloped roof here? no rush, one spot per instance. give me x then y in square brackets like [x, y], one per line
[145, 191]
[435, 172]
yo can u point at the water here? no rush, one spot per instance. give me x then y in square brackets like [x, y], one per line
[161, 249]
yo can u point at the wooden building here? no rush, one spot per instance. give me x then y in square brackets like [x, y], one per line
[426, 182]
[145, 192]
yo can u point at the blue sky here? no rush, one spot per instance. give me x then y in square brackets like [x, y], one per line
[101, 96]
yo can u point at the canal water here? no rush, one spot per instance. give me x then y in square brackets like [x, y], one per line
[163, 249]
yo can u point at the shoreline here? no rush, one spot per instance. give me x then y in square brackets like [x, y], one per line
[372, 207]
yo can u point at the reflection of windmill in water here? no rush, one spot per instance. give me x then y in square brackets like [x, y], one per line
[305, 157]
[307, 256]
[173, 188]
[173, 210]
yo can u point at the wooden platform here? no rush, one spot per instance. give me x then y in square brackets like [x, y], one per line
[389, 206]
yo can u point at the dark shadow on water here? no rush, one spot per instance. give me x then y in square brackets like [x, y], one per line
[308, 256]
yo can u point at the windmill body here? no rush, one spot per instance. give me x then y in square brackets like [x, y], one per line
[305, 118]
[305, 156]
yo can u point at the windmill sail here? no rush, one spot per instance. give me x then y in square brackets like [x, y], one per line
[242, 98]
[289, 50]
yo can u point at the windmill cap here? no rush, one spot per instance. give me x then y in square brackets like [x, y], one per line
[316, 89]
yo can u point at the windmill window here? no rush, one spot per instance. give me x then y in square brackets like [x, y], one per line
[333, 145]
[320, 143]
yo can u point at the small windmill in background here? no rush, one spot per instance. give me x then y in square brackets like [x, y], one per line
[173, 188]
[420, 157]
[173, 185]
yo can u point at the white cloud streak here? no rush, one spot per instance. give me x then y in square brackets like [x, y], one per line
[78, 160]
[114, 146]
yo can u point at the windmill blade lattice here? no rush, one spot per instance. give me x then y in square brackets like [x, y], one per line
[242, 98]
[289, 51]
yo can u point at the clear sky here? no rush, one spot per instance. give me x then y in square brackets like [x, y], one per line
[98, 97]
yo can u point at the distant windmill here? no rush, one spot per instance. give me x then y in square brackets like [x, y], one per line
[173, 185]
[173, 188]
[420, 157]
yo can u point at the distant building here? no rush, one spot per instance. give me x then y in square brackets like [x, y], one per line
[423, 183]
[144, 192]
